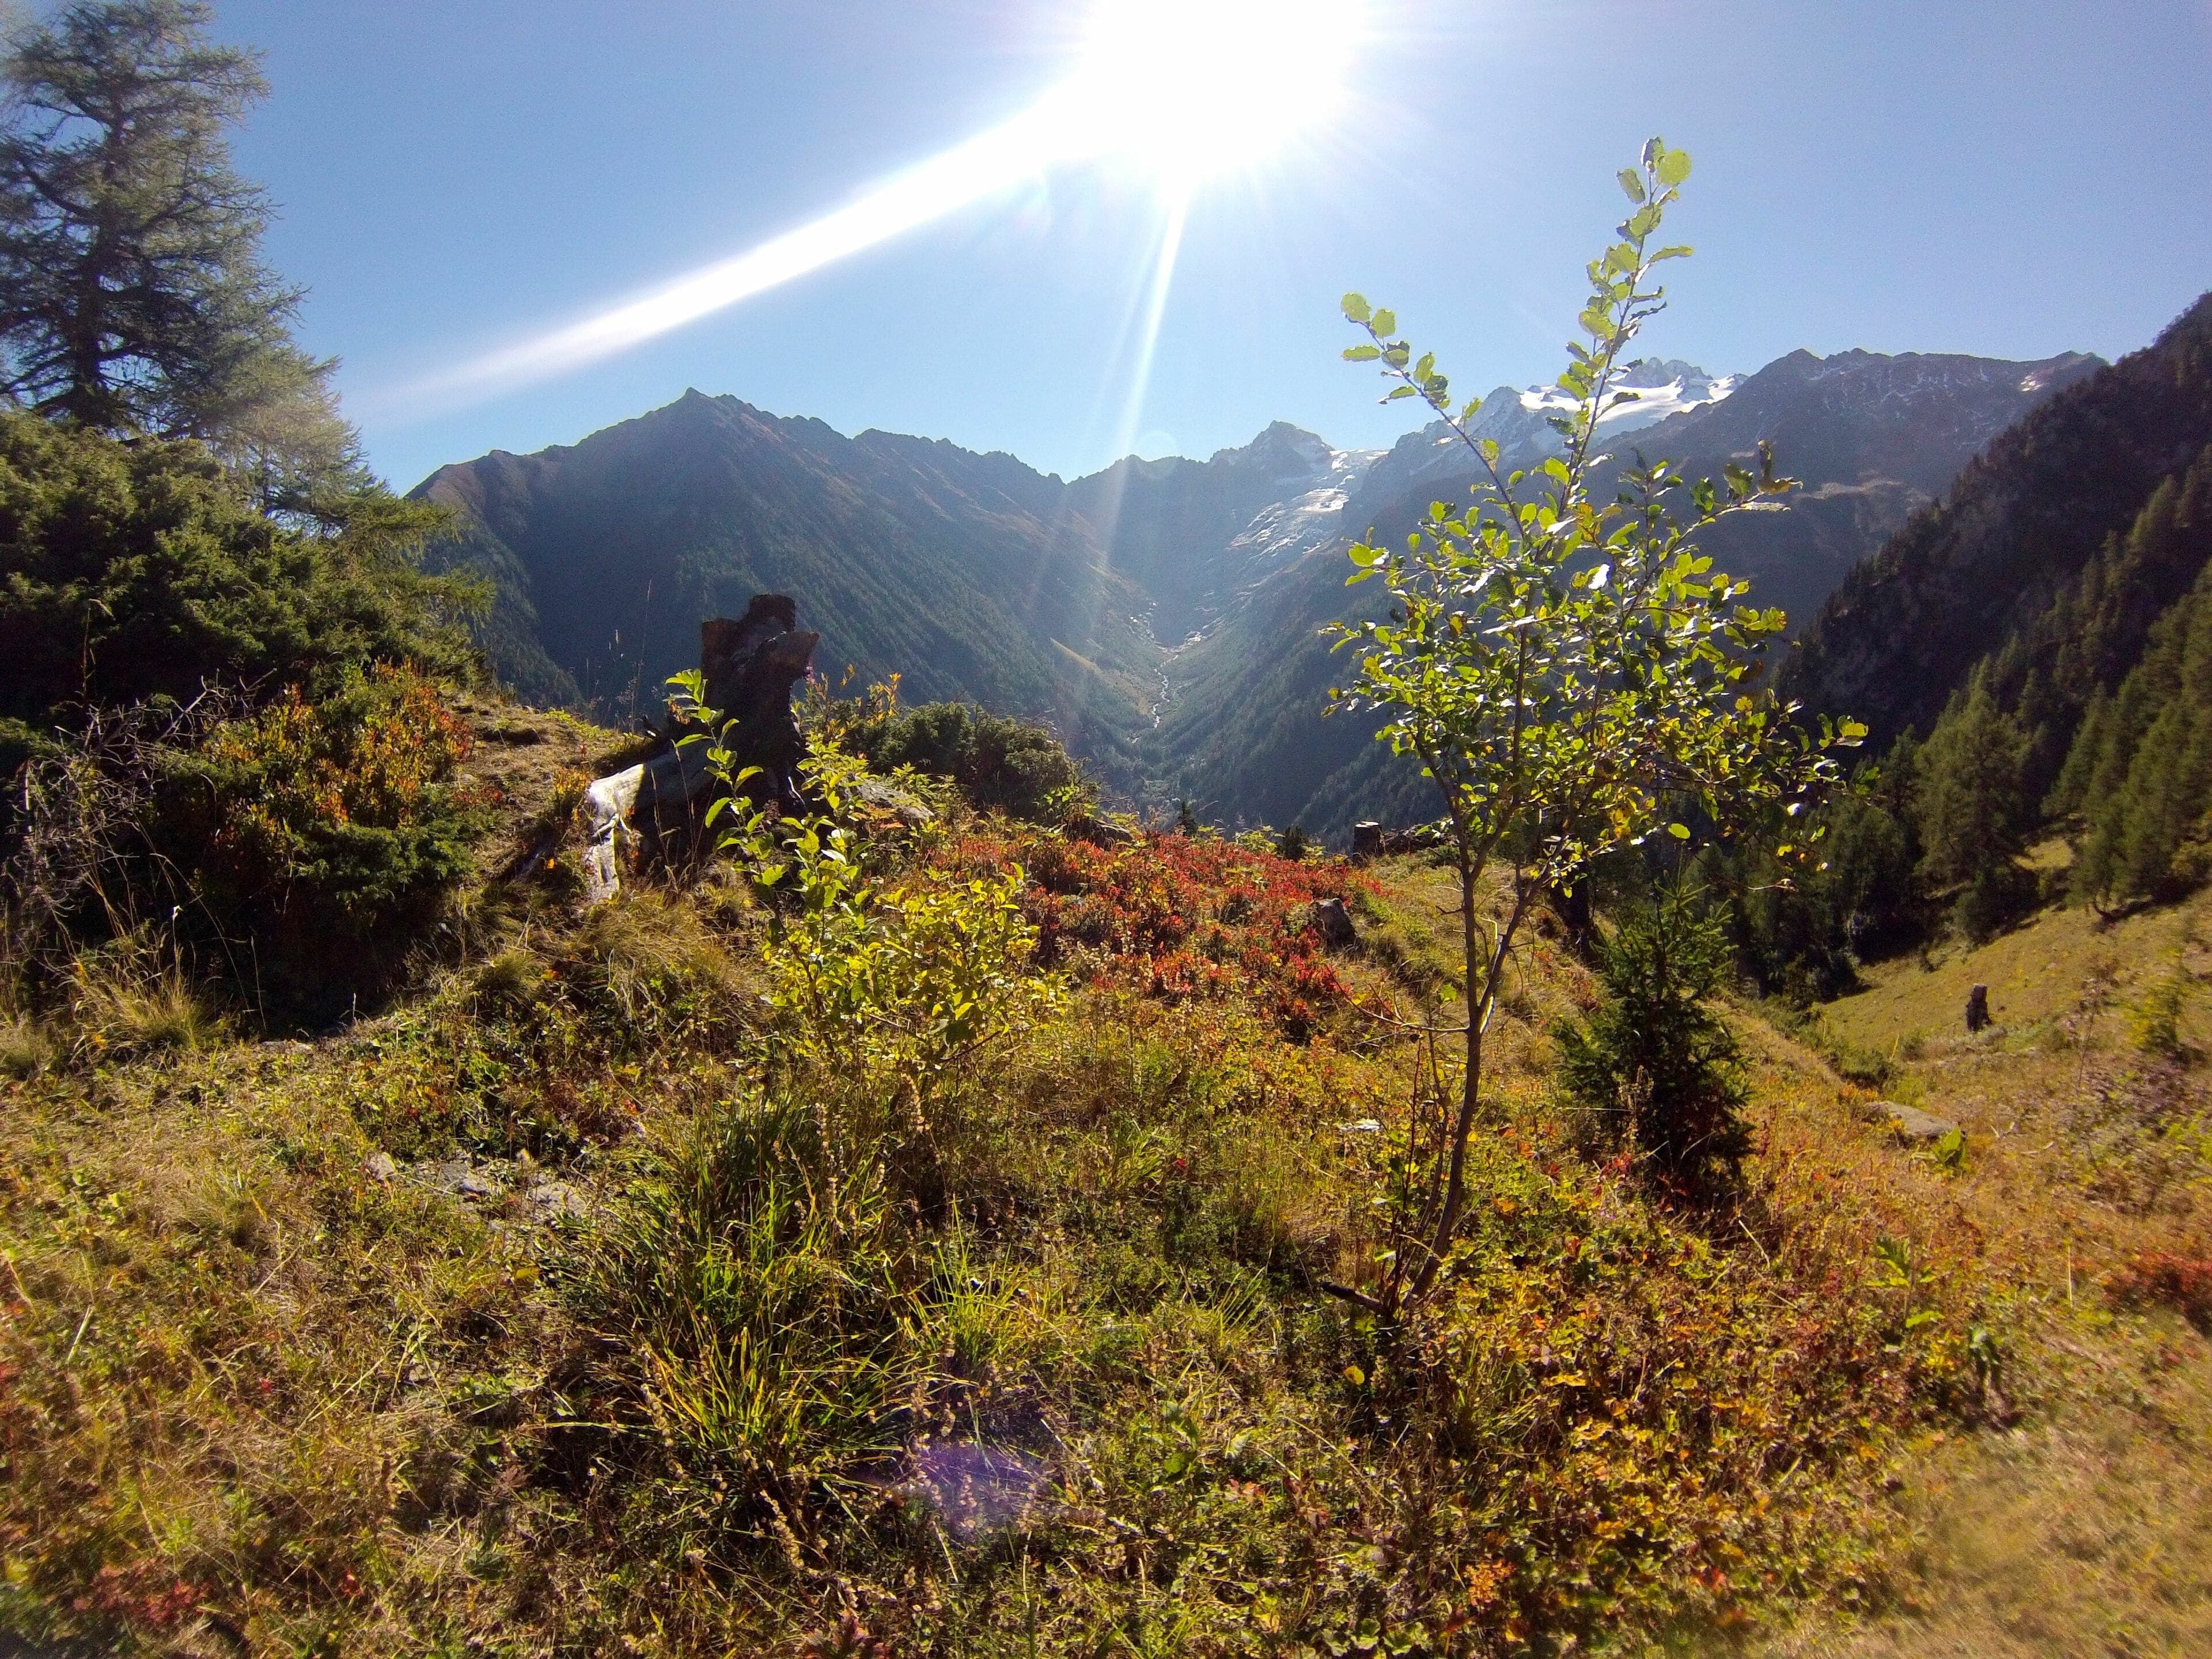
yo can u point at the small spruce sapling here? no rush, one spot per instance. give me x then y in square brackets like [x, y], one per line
[1563, 666]
[1655, 1054]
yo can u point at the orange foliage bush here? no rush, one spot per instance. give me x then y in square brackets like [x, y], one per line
[1180, 917]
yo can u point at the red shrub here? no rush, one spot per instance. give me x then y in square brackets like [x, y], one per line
[1179, 917]
[2162, 1276]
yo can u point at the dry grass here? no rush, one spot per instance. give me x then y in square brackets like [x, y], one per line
[262, 1391]
[127, 1013]
[2086, 1529]
[2086, 1532]
[27, 1048]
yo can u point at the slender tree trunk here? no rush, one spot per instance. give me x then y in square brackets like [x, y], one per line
[1478, 964]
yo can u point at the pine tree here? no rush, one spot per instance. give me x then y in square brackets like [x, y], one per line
[2147, 760]
[1654, 1057]
[1967, 801]
[133, 297]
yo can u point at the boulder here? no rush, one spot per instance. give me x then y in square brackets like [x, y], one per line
[1334, 923]
[1911, 1123]
[888, 798]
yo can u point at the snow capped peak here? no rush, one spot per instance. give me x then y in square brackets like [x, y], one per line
[1645, 393]
[1302, 458]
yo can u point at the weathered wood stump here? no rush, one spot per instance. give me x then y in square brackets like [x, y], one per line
[1978, 1009]
[656, 809]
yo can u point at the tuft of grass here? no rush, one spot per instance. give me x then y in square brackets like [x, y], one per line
[651, 955]
[2155, 1021]
[27, 1047]
[513, 979]
[119, 1012]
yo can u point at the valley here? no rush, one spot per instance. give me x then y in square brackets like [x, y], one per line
[751, 1036]
[1162, 616]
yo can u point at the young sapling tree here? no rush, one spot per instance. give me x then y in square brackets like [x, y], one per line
[1565, 668]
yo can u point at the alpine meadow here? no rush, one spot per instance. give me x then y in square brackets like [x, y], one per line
[727, 1039]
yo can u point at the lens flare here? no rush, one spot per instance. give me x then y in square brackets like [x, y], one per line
[1184, 90]
[1194, 88]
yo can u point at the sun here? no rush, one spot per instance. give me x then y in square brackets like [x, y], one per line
[1181, 90]
[1191, 89]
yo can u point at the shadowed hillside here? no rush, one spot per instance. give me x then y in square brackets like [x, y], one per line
[1872, 437]
[2014, 532]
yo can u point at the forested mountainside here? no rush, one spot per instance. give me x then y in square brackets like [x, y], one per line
[973, 577]
[1164, 616]
[2014, 537]
[1872, 436]
[2035, 654]
[959, 571]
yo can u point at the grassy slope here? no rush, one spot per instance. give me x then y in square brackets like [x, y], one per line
[263, 1390]
[2087, 1528]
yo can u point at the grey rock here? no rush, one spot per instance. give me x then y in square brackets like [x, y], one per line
[380, 1168]
[553, 1200]
[886, 797]
[458, 1176]
[1334, 923]
[1911, 1123]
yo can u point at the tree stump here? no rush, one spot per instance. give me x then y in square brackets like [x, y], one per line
[1978, 1009]
[750, 665]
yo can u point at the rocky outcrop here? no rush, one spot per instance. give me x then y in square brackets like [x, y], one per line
[655, 812]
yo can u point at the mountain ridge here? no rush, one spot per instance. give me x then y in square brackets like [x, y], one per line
[1163, 614]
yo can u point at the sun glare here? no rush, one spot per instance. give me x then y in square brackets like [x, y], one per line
[1183, 90]
[1190, 88]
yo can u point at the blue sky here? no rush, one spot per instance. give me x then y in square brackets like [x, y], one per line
[2013, 178]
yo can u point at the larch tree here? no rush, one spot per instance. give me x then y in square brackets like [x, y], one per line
[133, 295]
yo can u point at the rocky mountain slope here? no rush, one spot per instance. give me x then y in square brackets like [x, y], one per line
[1873, 437]
[1164, 614]
[2021, 524]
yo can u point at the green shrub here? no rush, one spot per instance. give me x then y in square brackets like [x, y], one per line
[2155, 1022]
[294, 851]
[1654, 1057]
[140, 569]
[318, 829]
[1008, 765]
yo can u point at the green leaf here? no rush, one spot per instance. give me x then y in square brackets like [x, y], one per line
[1356, 309]
[1631, 185]
[1680, 831]
[1362, 354]
[1673, 166]
[1386, 322]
